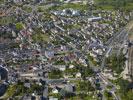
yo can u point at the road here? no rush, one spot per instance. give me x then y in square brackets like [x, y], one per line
[130, 61]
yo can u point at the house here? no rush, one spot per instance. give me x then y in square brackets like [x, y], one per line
[93, 54]
[29, 97]
[49, 54]
[13, 34]
[27, 84]
[53, 98]
[99, 51]
[60, 67]
[71, 66]
[67, 12]
[94, 19]
[56, 89]
[78, 75]
[69, 88]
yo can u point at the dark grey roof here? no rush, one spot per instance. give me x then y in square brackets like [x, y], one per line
[3, 73]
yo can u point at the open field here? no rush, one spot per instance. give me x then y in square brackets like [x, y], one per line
[70, 5]
[114, 4]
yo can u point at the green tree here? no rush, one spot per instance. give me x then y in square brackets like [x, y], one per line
[116, 63]
[55, 74]
[19, 26]
[85, 86]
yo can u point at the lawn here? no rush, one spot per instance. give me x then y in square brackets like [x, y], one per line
[6, 20]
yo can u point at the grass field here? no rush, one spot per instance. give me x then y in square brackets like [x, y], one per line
[70, 5]
[6, 20]
[40, 37]
[114, 4]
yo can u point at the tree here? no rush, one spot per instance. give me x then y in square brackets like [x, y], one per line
[19, 26]
[85, 86]
[86, 72]
[108, 95]
[129, 95]
[116, 63]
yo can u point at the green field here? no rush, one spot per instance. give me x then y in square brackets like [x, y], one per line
[70, 5]
[1, 1]
[115, 4]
